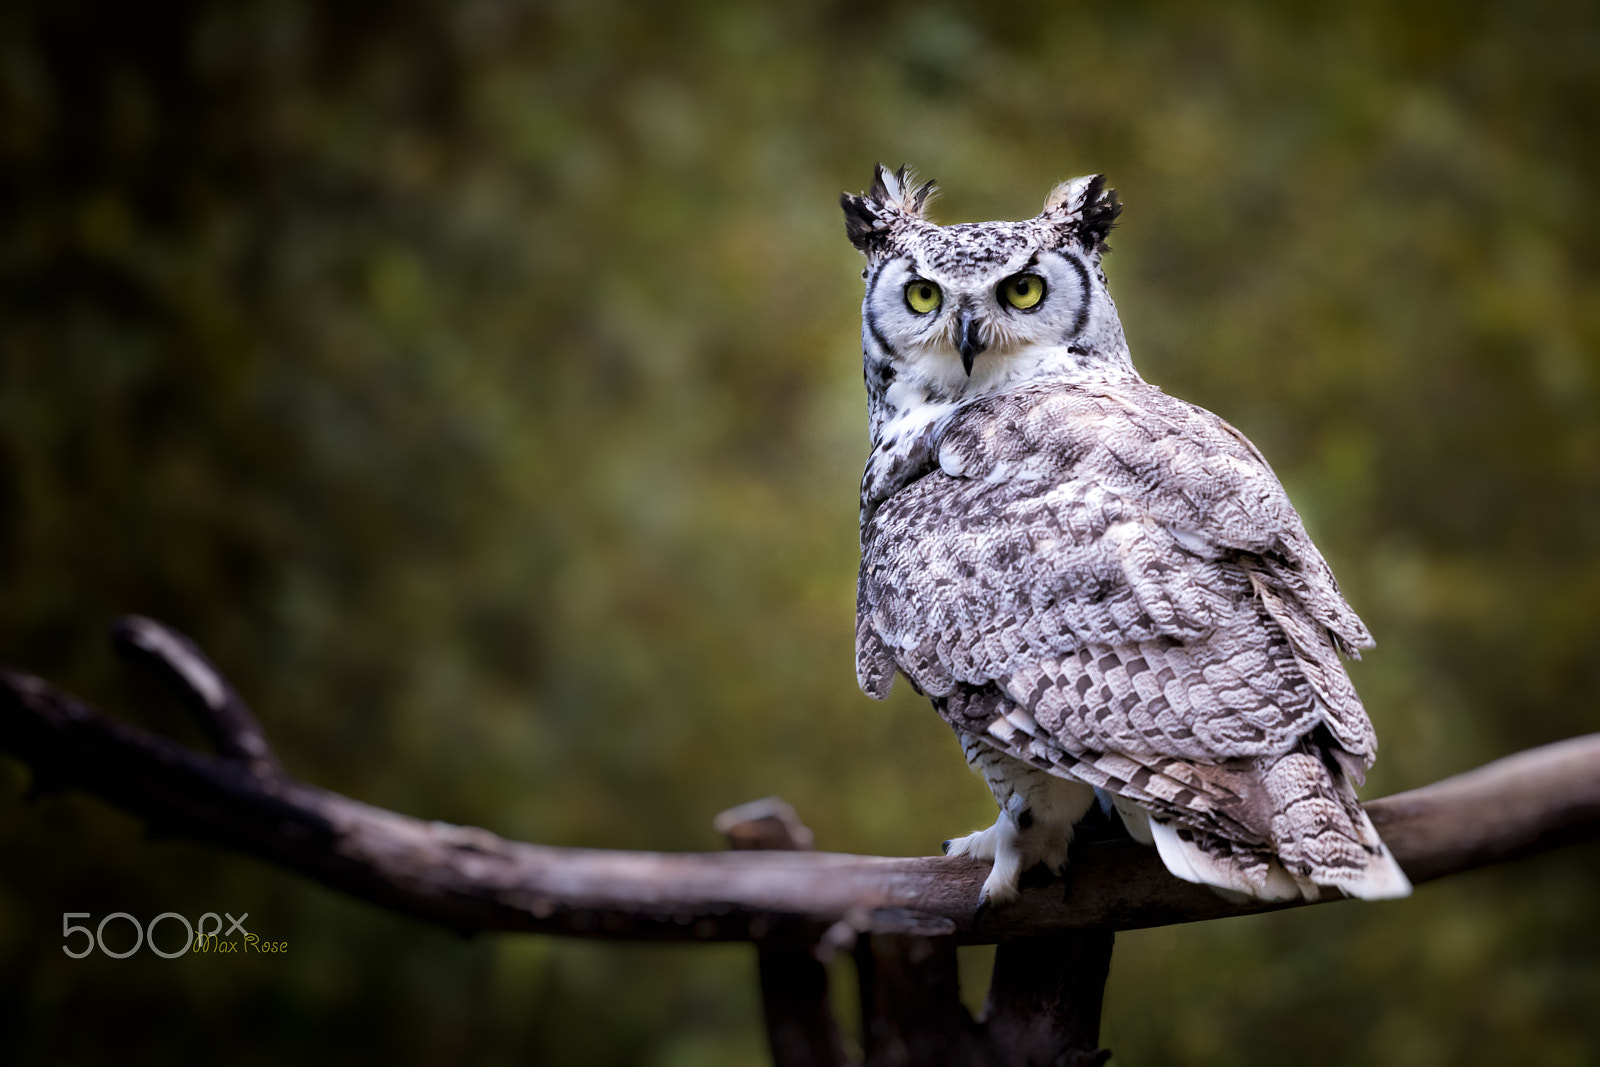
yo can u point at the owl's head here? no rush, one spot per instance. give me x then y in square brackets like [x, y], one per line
[957, 311]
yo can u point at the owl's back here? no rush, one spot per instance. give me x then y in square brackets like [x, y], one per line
[1111, 583]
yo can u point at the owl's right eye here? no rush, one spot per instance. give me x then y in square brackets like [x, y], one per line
[923, 297]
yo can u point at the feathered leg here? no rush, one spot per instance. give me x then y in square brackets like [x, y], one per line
[1038, 815]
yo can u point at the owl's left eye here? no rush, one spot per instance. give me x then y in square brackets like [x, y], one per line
[923, 297]
[1022, 291]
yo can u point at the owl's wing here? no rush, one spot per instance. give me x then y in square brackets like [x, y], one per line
[1122, 566]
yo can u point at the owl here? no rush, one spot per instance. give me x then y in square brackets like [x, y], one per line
[1103, 589]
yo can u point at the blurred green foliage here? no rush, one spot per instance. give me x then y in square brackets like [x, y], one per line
[478, 383]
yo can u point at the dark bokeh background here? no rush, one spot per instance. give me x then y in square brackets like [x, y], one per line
[479, 383]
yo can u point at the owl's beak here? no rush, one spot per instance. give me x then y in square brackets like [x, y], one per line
[971, 344]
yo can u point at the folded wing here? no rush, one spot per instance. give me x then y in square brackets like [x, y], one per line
[1112, 583]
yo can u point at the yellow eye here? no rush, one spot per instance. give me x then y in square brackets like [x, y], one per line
[1023, 291]
[923, 297]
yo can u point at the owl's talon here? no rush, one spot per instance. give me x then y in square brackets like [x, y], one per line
[945, 848]
[1033, 829]
[982, 845]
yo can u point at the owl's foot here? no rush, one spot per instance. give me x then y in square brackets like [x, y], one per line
[1017, 842]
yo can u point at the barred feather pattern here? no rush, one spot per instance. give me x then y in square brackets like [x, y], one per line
[1110, 584]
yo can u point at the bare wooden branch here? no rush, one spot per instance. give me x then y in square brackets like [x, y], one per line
[221, 712]
[765, 824]
[801, 1031]
[911, 1010]
[1044, 1000]
[1525, 803]
[904, 917]
[471, 879]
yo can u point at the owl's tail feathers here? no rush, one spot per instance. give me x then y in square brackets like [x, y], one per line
[1240, 874]
[1321, 837]
[1235, 873]
[1382, 878]
[1321, 832]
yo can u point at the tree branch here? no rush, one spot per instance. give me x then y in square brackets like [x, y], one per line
[911, 1010]
[801, 1031]
[471, 879]
[1044, 1000]
[220, 711]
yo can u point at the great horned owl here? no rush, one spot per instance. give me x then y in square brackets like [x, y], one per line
[1102, 588]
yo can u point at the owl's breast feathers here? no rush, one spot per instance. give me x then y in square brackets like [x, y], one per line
[1120, 567]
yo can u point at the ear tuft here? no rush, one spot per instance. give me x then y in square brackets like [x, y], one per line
[893, 200]
[901, 189]
[1084, 208]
